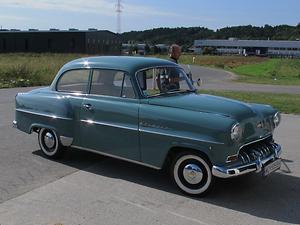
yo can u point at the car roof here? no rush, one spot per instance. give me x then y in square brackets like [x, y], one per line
[130, 64]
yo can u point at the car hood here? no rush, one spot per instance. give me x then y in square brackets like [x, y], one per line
[207, 103]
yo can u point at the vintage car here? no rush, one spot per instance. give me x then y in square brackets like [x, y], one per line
[147, 111]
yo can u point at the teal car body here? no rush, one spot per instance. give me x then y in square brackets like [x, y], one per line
[151, 130]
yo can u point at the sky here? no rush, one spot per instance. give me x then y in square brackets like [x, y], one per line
[145, 14]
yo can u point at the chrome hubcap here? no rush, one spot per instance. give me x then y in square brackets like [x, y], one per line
[192, 174]
[49, 140]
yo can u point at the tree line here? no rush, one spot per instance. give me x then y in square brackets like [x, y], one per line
[185, 36]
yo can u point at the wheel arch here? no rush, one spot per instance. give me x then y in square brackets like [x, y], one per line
[35, 127]
[175, 150]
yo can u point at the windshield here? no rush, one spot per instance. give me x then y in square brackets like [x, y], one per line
[164, 80]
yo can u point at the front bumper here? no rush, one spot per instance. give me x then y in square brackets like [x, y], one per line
[244, 168]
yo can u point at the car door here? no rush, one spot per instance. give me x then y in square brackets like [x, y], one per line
[71, 88]
[109, 115]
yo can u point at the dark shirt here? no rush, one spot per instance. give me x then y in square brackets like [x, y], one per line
[173, 73]
[173, 60]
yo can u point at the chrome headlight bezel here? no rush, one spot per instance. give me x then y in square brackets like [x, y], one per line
[276, 119]
[236, 132]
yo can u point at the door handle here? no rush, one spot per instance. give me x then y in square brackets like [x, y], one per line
[88, 106]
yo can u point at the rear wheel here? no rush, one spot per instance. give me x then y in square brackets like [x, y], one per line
[192, 174]
[50, 144]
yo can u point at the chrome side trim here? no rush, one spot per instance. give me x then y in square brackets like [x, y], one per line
[179, 136]
[227, 172]
[116, 157]
[108, 124]
[66, 141]
[43, 114]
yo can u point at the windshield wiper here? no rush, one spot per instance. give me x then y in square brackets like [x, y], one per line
[172, 92]
[188, 91]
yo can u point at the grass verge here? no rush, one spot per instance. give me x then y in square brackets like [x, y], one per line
[272, 71]
[286, 103]
[30, 69]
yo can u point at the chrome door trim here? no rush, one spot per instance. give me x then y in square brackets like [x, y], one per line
[52, 116]
[179, 136]
[116, 157]
[108, 124]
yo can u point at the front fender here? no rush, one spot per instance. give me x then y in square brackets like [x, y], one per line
[208, 133]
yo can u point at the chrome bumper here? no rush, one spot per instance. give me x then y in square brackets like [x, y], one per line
[256, 166]
[15, 124]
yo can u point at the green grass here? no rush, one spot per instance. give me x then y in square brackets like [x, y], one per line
[228, 62]
[286, 103]
[222, 62]
[272, 71]
[22, 70]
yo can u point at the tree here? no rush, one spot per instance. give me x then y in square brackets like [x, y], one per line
[208, 51]
[187, 35]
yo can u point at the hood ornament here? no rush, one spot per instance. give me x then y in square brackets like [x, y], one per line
[260, 124]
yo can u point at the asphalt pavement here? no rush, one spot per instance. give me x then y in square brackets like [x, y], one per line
[217, 79]
[85, 188]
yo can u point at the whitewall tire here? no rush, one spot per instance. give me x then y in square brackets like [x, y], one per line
[49, 143]
[192, 174]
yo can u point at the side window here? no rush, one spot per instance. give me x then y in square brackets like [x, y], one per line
[111, 83]
[75, 81]
[127, 91]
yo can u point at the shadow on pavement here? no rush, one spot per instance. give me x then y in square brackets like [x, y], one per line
[276, 197]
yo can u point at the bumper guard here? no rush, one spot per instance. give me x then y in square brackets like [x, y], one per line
[255, 166]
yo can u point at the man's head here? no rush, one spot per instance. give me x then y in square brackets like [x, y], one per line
[175, 51]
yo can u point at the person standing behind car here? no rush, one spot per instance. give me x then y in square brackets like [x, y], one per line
[174, 53]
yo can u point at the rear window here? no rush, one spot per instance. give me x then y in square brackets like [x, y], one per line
[75, 81]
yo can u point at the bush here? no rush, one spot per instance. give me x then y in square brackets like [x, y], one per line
[208, 51]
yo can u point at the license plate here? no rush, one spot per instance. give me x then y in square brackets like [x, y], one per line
[273, 166]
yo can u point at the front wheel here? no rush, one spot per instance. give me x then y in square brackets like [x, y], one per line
[50, 144]
[192, 174]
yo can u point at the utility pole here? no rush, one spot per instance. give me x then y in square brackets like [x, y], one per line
[119, 11]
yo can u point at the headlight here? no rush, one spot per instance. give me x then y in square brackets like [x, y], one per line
[236, 132]
[276, 119]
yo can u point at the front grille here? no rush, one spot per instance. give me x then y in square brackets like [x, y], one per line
[262, 149]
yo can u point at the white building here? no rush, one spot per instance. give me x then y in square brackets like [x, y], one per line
[234, 46]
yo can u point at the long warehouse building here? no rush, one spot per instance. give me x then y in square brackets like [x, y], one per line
[234, 46]
[60, 41]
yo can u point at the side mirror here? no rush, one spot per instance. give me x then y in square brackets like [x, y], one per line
[199, 82]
